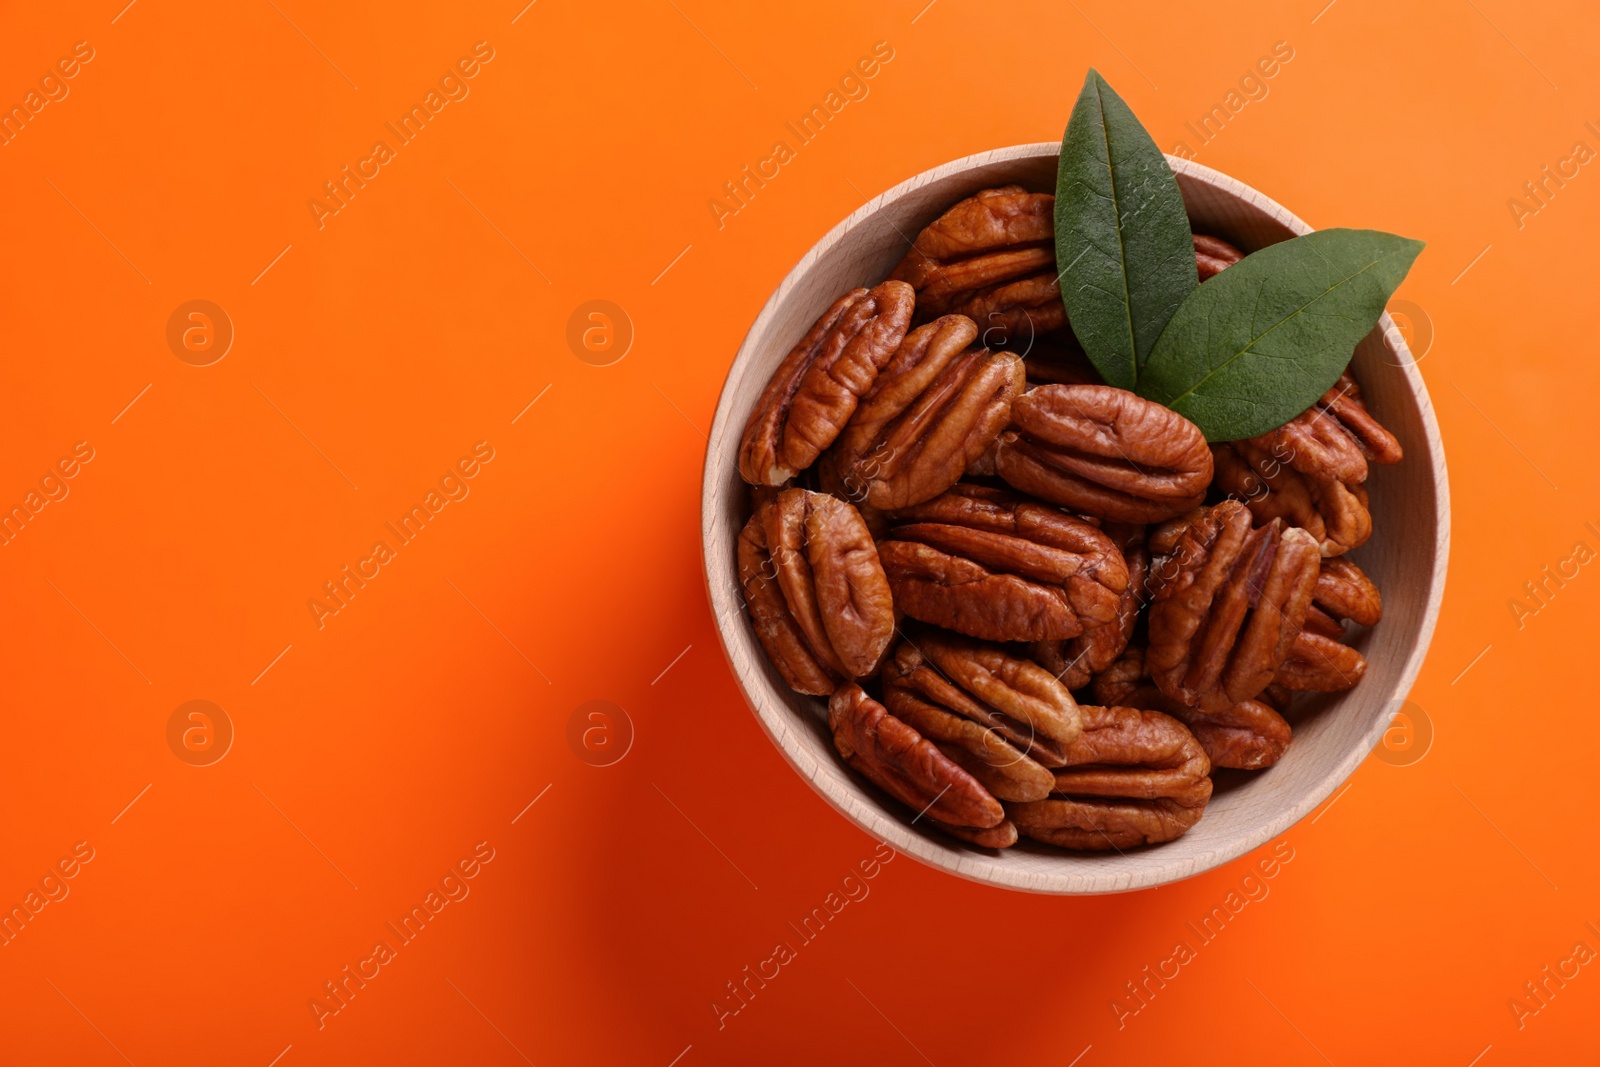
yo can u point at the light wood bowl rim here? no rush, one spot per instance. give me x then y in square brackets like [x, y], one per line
[828, 776]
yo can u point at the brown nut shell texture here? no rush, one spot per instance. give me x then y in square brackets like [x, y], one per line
[1104, 452]
[909, 767]
[1226, 620]
[818, 597]
[1134, 778]
[1003, 718]
[936, 407]
[815, 389]
[986, 563]
[991, 258]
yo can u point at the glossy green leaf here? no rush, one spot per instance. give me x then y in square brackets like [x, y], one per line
[1260, 342]
[1123, 245]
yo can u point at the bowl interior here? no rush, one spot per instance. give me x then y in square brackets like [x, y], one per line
[1405, 557]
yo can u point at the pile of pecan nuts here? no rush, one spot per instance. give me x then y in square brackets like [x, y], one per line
[1040, 605]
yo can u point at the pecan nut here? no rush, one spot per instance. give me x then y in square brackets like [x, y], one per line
[1345, 592]
[988, 564]
[936, 407]
[992, 258]
[818, 597]
[1224, 623]
[1334, 439]
[1316, 445]
[983, 466]
[1104, 452]
[1319, 664]
[1345, 404]
[1005, 772]
[1001, 836]
[815, 389]
[1162, 540]
[1249, 736]
[1213, 255]
[1003, 718]
[906, 765]
[1077, 660]
[1134, 778]
[1333, 513]
[1320, 622]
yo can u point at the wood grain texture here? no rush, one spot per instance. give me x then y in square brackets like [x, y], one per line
[1410, 504]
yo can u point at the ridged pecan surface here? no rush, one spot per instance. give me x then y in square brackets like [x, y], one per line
[992, 565]
[937, 406]
[1104, 452]
[1320, 664]
[815, 389]
[906, 765]
[1003, 718]
[1134, 778]
[1333, 513]
[991, 257]
[1345, 592]
[817, 595]
[1250, 736]
[1224, 624]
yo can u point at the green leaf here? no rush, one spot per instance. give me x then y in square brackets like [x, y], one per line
[1122, 238]
[1260, 342]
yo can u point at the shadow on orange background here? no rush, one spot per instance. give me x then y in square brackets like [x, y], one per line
[425, 724]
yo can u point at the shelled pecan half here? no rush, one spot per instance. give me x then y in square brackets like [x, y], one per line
[1319, 664]
[1333, 440]
[1333, 513]
[1134, 778]
[1345, 592]
[1344, 403]
[817, 595]
[1104, 452]
[1213, 255]
[936, 406]
[1224, 623]
[989, 564]
[1249, 736]
[815, 389]
[903, 763]
[991, 257]
[1314, 444]
[1003, 718]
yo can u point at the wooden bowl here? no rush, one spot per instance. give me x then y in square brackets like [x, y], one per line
[1410, 504]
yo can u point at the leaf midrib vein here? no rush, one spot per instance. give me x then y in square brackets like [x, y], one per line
[1266, 333]
[1122, 246]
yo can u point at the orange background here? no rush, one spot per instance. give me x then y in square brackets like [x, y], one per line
[427, 714]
